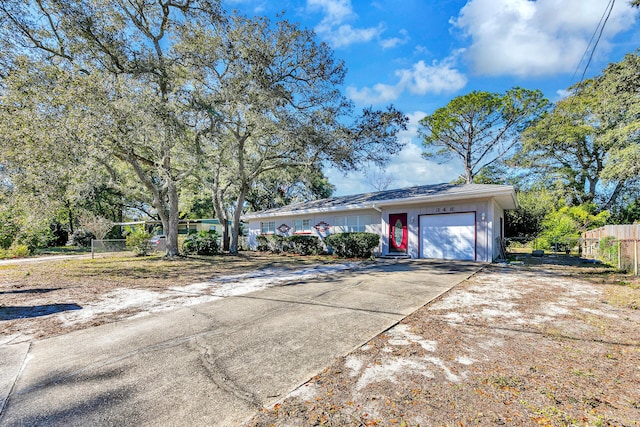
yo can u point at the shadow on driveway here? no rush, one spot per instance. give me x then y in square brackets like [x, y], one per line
[25, 312]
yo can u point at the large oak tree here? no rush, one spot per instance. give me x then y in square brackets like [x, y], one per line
[176, 88]
[269, 102]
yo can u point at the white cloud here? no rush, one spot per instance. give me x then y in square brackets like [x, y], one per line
[420, 79]
[378, 94]
[395, 41]
[535, 38]
[333, 27]
[439, 77]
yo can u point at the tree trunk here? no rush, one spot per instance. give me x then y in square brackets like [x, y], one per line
[172, 231]
[69, 217]
[222, 216]
[235, 230]
[468, 176]
[225, 235]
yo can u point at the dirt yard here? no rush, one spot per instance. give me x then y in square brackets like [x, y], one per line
[549, 342]
[39, 300]
[545, 344]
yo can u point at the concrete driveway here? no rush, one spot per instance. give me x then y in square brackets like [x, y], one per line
[217, 363]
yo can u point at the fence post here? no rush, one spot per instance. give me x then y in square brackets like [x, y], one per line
[92, 248]
[635, 257]
[619, 255]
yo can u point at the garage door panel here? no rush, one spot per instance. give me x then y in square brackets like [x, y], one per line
[448, 236]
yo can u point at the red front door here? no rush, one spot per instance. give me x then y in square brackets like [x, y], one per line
[398, 235]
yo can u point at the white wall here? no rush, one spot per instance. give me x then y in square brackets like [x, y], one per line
[498, 213]
[486, 230]
[327, 217]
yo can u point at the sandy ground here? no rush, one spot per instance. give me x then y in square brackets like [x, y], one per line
[536, 344]
[542, 345]
[45, 315]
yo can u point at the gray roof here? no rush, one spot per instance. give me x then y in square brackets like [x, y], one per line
[504, 195]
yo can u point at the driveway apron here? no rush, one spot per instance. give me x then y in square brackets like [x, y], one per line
[220, 362]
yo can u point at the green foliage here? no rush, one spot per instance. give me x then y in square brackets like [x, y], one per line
[81, 238]
[353, 245]
[609, 249]
[566, 225]
[295, 244]
[304, 245]
[137, 239]
[15, 251]
[202, 243]
[271, 243]
[35, 235]
[629, 213]
[526, 221]
[287, 186]
[8, 230]
[590, 138]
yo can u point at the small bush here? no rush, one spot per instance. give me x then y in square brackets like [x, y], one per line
[303, 245]
[609, 250]
[15, 251]
[202, 243]
[137, 239]
[271, 243]
[81, 238]
[8, 231]
[353, 245]
[35, 235]
[19, 251]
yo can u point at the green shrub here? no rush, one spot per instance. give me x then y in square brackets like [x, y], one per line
[8, 230]
[609, 250]
[271, 243]
[19, 251]
[34, 234]
[202, 243]
[137, 239]
[15, 251]
[353, 245]
[303, 245]
[81, 238]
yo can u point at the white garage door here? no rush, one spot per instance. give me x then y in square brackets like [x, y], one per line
[448, 236]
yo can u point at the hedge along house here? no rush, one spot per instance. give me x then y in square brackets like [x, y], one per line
[442, 221]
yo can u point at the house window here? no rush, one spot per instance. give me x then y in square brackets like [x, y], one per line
[268, 227]
[302, 226]
[352, 223]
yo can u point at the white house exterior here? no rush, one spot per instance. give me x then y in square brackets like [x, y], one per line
[442, 221]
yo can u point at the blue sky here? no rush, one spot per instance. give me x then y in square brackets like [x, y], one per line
[419, 55]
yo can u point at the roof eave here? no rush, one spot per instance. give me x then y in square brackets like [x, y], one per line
[506, 199]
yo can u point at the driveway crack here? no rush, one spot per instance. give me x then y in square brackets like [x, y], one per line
[221, 377]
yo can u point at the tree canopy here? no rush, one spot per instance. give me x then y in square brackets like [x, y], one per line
[587, 145]
[154, 94]
[480, 128]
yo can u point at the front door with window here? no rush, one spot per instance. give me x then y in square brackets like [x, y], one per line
[398, 234]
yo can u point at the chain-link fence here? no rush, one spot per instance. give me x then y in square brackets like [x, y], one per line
[621, 253]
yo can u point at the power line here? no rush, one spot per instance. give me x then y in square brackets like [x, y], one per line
[612, 2]
[598, 31]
